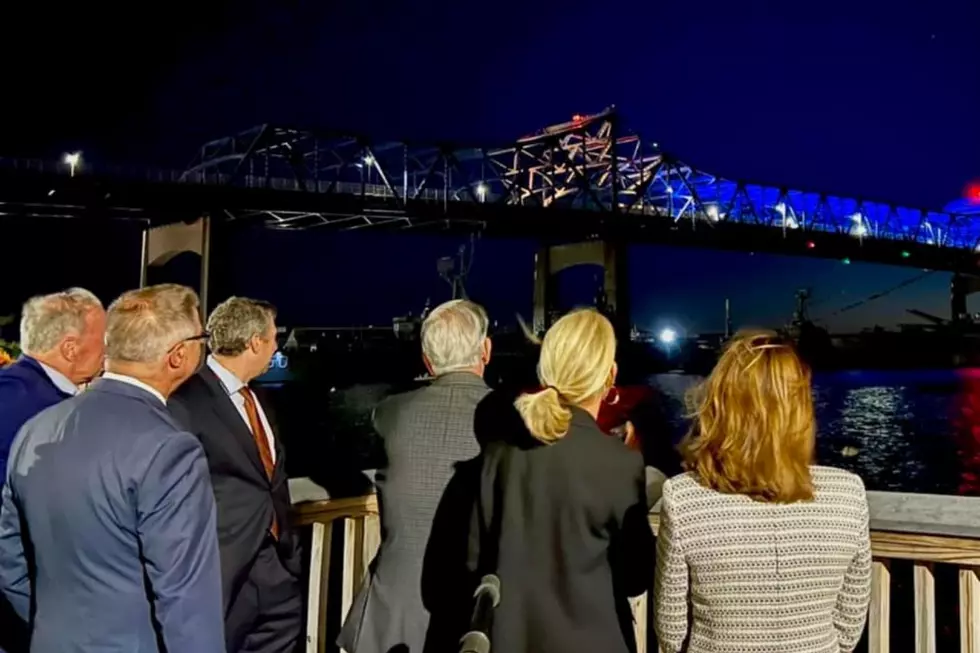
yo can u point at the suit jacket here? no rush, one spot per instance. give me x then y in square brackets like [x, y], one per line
[426, 433]
[245, 496]
[564, 526]
[25, 390]
[107, 528]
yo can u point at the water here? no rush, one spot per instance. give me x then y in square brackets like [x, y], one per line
[914, 431]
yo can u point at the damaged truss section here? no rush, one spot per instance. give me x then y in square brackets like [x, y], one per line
[589, 163]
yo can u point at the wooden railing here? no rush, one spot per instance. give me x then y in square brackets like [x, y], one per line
[924, 529]
[362, 536]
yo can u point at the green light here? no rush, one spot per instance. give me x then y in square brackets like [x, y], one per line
[846, 261]
[905, 255]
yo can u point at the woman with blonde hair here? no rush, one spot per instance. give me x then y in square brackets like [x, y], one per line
[562, 515]
[770, 551]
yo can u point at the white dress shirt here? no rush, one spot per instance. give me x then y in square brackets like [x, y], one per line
[59, 380]
[232, 386]
[136, 383]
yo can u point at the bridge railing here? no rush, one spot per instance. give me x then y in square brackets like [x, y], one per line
[211, 178]
[927, 530]
[666, 190]
[131, 173]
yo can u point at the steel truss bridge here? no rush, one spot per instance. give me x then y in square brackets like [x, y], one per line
[586, 178]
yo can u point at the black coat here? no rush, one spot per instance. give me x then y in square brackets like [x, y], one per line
[565, 528]
[245, 497]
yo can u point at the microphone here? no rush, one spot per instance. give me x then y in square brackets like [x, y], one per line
[486, 598]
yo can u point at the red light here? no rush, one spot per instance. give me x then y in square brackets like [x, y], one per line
[810, 244]
[972, 192]
[576, 118]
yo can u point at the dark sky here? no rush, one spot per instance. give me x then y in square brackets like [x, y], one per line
[866, 98]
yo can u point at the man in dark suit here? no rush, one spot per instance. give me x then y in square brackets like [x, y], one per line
[107, 527]
[425, 433]
[260, 561]
[62, 336]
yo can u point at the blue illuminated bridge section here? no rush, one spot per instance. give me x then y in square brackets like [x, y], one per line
[589, 164]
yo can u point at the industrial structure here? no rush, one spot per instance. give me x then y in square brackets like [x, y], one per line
[583, 188]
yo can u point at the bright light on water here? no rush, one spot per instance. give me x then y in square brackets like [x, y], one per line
[668, 336]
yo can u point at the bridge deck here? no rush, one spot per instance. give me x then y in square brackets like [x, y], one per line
[587, 176]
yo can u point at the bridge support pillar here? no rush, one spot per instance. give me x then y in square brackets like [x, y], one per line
[614, 296]
[162, 244]
[961, 286]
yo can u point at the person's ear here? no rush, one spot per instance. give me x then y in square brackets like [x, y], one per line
[177, 356]
[428, 365]
[487, 350]
[68, 348]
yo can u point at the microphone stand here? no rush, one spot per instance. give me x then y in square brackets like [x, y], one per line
[486, 598]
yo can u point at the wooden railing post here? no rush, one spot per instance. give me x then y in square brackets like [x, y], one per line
[956, 543]
[880, 617]
[362, 536]
[640, 611]
[316, 611]
[925, 608]
[969, 611]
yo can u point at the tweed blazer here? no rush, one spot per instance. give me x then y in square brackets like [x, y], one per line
[763, 577]
[426, 433]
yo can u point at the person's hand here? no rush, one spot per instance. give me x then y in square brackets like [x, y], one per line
[631, 439]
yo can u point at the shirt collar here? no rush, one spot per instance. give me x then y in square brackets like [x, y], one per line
[112, 376]
[59, 380]
[228, 379]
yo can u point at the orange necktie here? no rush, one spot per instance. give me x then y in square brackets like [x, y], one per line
[262, 442]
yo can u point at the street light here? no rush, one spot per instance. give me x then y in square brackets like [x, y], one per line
[73, 159]
[668, 336]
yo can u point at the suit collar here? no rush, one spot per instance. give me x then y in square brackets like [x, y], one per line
[460, 378]
[136, 383]
[59, 380]
[226, 377]
[222, 405]
[114, 386]
[51, 376]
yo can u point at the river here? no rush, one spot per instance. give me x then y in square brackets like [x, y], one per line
[914, 431]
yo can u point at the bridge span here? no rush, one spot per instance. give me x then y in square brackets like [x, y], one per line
[588, 175]
[583, 180]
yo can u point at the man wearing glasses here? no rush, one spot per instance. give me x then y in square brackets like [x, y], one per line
[260, 561]
[117, 500]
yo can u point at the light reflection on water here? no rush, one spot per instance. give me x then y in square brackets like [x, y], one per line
[916, 431]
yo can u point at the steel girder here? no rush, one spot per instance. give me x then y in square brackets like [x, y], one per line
[589, 163]
[564, 175]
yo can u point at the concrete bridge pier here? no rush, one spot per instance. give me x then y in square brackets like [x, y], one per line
[960, 287]
[611, 256]
[164, 243]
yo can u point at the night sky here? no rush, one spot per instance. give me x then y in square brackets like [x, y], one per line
[864, 98]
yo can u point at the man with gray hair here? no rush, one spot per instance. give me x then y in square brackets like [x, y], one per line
[260, 560]
[426, 433]
[62, 336]
[112, 499]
